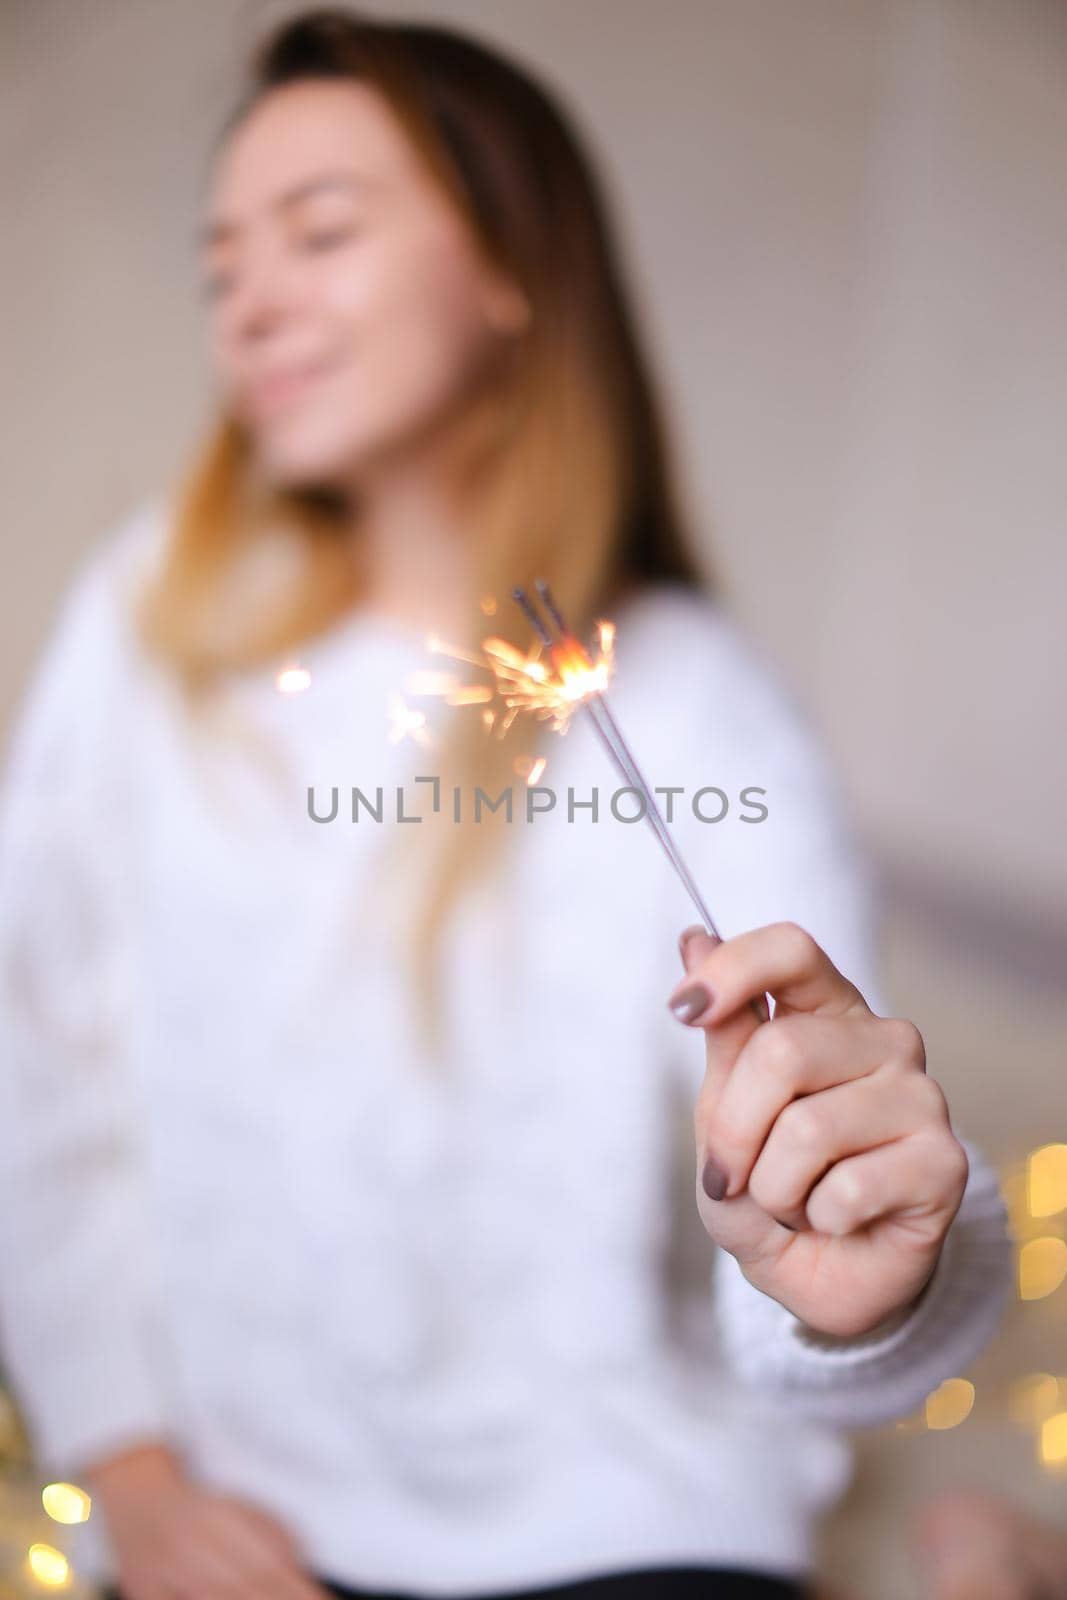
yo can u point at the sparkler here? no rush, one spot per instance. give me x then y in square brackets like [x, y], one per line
[573, 666]
[584, 686]
[571, 681]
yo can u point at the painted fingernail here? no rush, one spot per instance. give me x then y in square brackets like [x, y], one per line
[713, 1179]
[691, 1002]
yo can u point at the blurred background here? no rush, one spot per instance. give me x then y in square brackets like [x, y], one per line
[846, 221]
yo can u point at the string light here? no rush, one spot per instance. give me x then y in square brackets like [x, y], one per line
[1046, 1180]
[949, 1404]
[1042, 1267]
[65, 1502]
[49, 1566]
[1052, 1445]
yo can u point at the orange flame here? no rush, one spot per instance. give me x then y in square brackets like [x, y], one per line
[551, 689]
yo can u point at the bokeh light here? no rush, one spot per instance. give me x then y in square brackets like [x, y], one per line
[65, 1502]
[949, 1404]
[49, 1566]
[1042, 1267]
[1046, 1180]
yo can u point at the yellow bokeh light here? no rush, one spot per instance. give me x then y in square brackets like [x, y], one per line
[49, 1566]
[1033, 1398]
[1042, 1267]
[1053, 1440]
[949, 1404]
[1046, 1180]
[65, 1502]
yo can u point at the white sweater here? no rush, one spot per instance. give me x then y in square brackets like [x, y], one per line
[461, 1332]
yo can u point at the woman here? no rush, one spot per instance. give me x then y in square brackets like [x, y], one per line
[344, 1247]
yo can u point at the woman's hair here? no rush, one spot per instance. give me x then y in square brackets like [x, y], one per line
[579, 491]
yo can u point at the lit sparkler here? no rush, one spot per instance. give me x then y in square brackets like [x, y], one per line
[551, 690]
[554, 687]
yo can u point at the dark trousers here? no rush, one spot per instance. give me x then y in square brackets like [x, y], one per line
[653, 1583]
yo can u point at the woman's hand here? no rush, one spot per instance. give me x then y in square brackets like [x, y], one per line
[174, 1540]
[826, 1162]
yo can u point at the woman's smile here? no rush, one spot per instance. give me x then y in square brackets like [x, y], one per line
[284, 387]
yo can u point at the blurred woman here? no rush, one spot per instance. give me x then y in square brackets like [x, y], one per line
[352, 1239]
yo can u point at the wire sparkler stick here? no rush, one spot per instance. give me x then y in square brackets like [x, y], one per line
[622, 756]
[611, 736]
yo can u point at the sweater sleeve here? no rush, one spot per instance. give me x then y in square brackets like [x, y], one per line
[888, 1373]
[79, 1326]
[802, 864]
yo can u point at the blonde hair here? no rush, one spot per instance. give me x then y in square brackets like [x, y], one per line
[573, 485]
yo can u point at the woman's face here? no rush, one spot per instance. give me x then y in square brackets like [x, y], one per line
[351, 317]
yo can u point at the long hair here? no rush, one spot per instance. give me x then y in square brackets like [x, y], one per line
[580, 488]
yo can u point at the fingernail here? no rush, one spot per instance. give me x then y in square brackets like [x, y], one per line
[695, 930]
[761, 1008]
[691, 1002]
[713, 1179]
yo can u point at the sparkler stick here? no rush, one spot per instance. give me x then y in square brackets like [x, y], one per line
[621, 755]
[610, 734]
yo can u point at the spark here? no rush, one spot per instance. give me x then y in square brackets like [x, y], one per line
[552, 681]
[407, 723]
[549, 688]
[293, 680]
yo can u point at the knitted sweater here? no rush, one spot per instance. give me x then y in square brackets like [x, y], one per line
[460, 1327]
